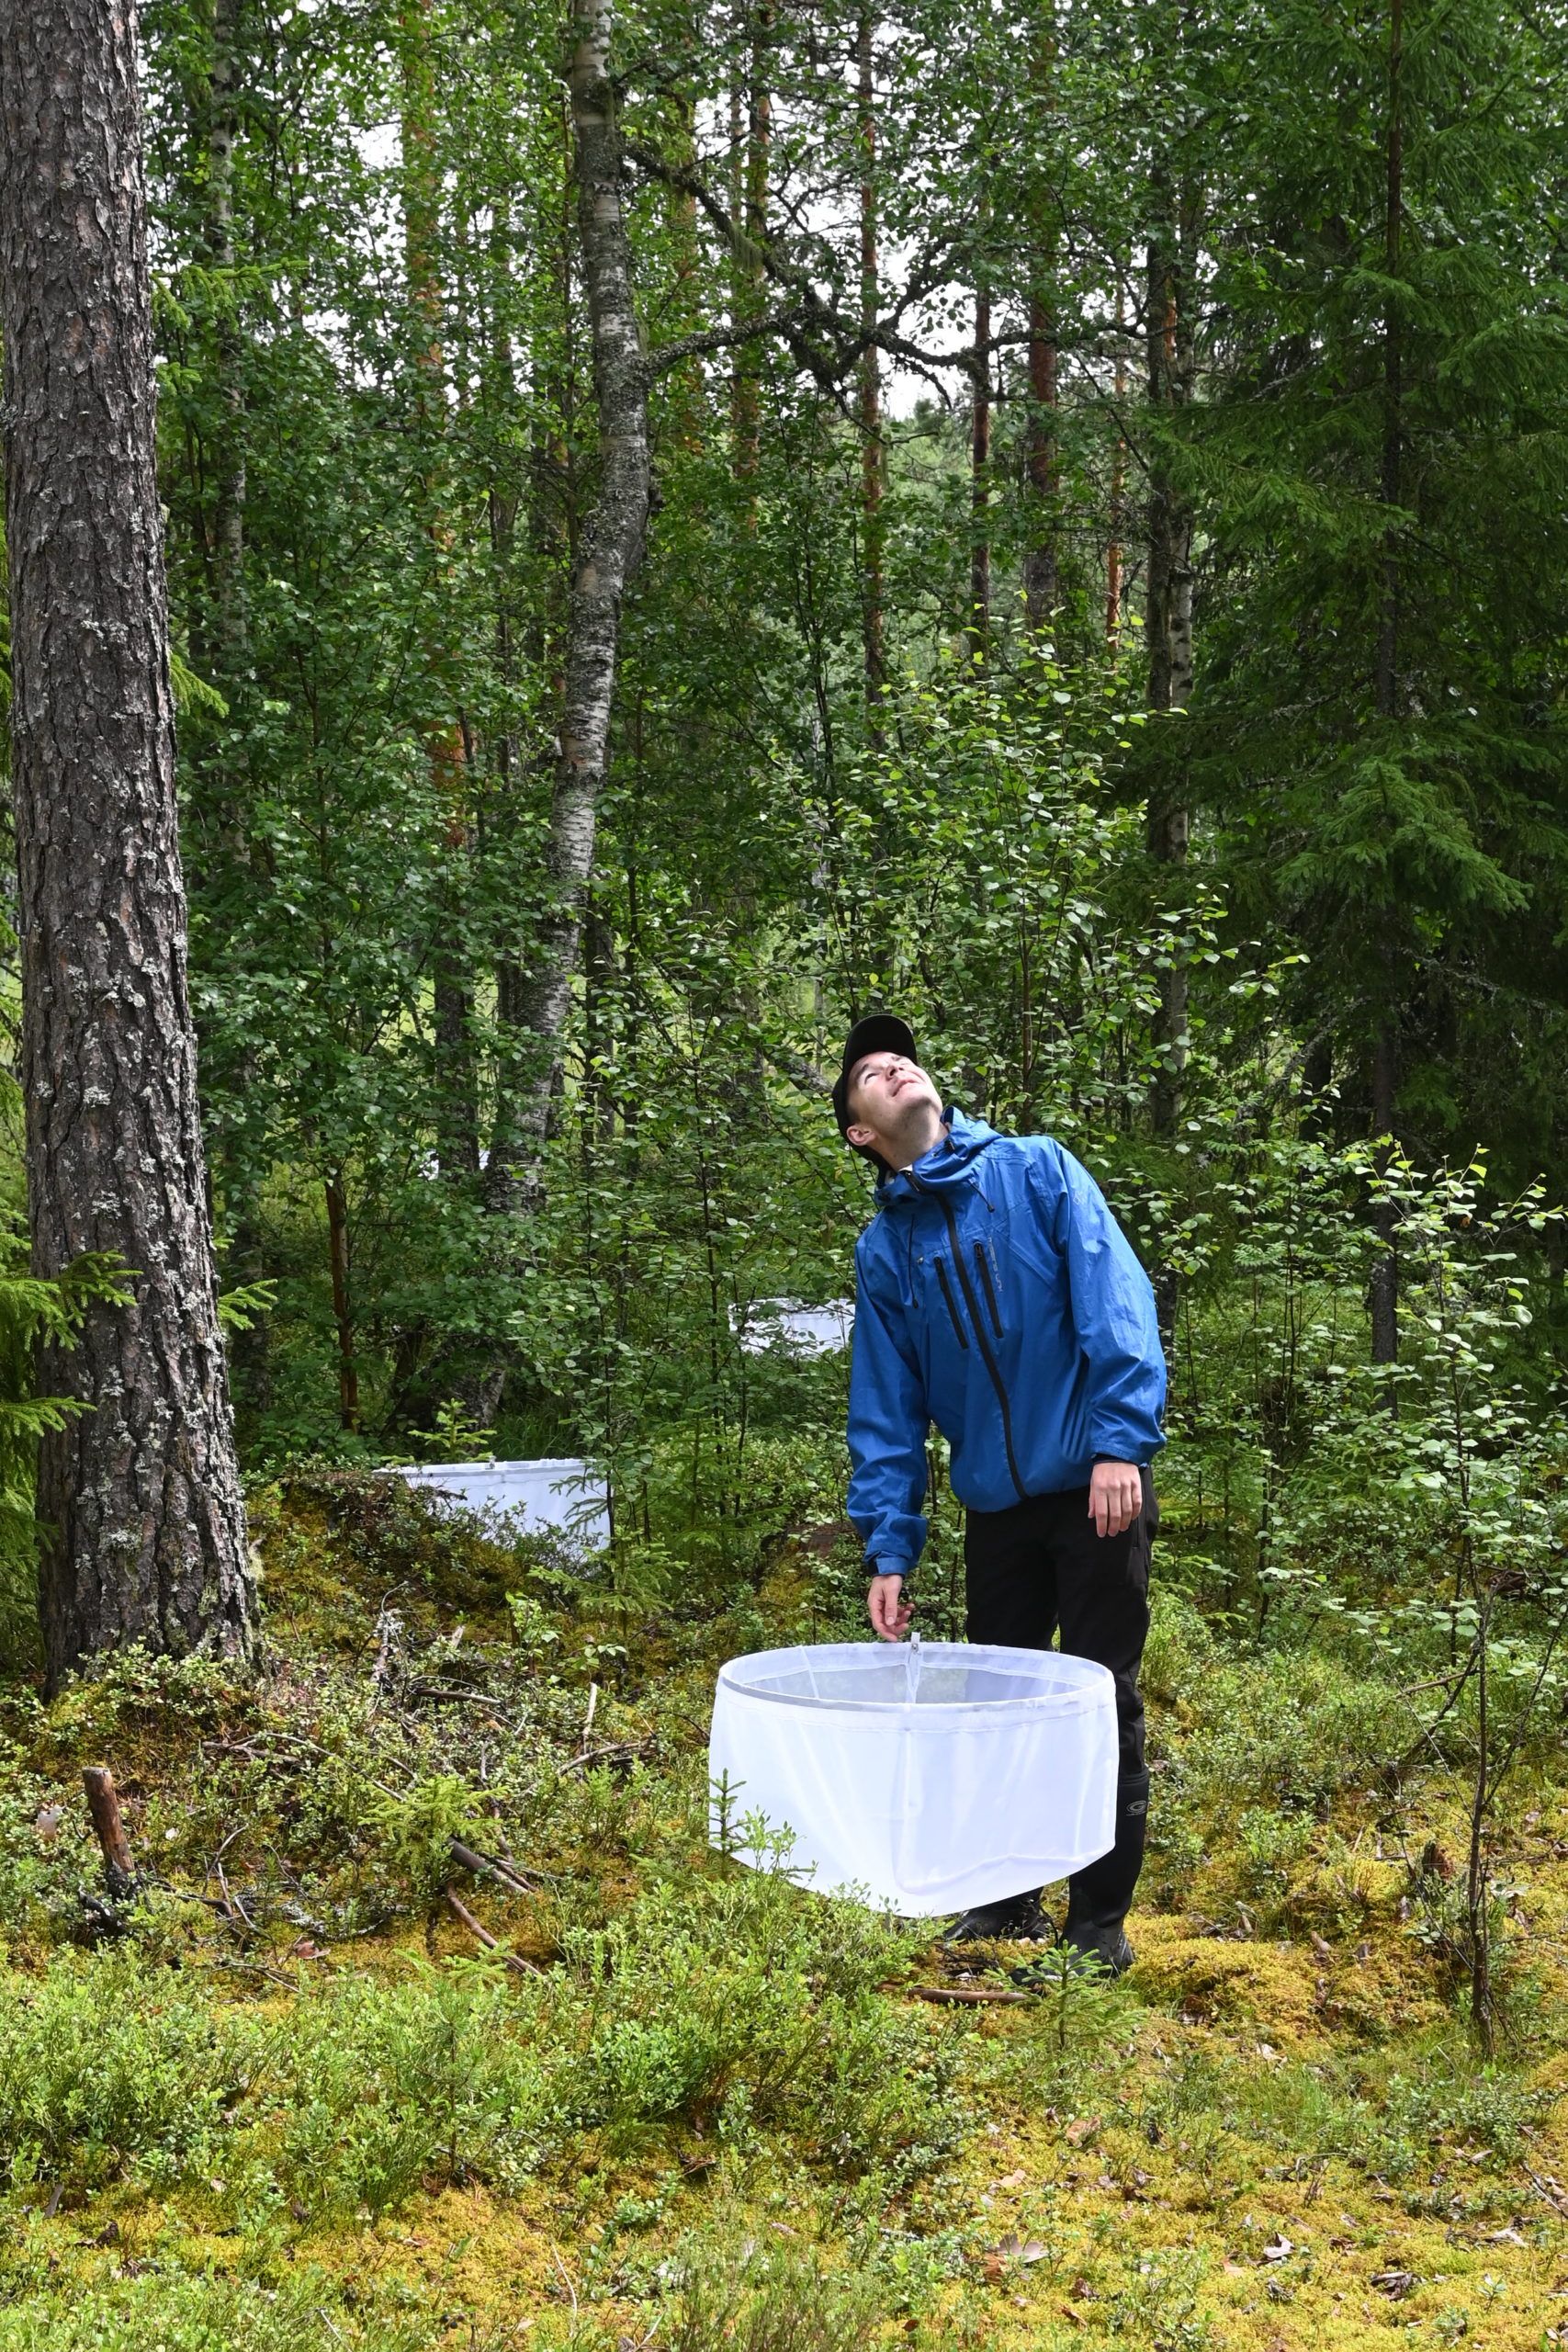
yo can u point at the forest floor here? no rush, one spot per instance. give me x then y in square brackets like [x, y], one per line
[286, 2097]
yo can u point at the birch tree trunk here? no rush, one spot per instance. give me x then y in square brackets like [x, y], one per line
[608, 552]
[144, 1525]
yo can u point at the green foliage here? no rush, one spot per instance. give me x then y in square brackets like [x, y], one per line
[35, 1313]
[736, 2007]
[773, 2300]
[170, 2311]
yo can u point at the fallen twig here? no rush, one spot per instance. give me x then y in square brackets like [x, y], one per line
[963, 1992]
[477, 1928]
[579, 1763]
[1552, 2195]
[254, 1968]
[485, 1866]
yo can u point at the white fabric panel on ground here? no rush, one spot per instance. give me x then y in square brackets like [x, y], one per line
[926, 1777]
[558, 1491]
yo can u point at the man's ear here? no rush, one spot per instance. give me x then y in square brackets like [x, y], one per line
[862, 1138]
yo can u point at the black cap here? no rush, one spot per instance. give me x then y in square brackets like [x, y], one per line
[876, 1031]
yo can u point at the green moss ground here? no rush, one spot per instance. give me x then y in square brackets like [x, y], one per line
[310, 2108]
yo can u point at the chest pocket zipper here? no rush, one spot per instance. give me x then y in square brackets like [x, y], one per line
[951, 1304]
[982, 1262]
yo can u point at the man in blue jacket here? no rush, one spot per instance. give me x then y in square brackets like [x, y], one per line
[996, 1296]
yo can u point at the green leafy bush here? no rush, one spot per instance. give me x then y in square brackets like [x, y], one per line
[32, 1311]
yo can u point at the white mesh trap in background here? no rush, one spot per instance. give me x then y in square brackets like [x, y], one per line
[554, 1491]
[928, 1776]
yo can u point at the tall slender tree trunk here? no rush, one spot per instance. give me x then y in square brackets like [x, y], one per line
[144, 1521]
[750, 147]
[343, 1304]
[608, 552]
[874, 586]
[1041, 576]
[1384, 1288]
[553, 538]
[1168, 620]
[1168, 629]
[457, 1106]
[229, 502]
[1042, 579]
[980, 482]
[250, 1350]
[1113, 553]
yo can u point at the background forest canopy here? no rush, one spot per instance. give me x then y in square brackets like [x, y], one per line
[1102, 598]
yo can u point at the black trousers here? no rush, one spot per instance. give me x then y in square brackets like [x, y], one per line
[1039, 1570]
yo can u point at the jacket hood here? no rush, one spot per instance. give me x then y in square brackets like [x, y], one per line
[947, 1166]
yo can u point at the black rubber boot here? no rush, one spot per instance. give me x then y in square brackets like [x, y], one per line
[1017, 1919]
[1100, 1897]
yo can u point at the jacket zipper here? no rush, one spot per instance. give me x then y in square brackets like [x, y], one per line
[980, 1261]
[952, 1305]
[987, 1358]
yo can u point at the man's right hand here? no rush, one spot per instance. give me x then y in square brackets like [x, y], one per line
[890, 1614]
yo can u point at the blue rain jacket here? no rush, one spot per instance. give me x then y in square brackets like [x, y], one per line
[997, 1296]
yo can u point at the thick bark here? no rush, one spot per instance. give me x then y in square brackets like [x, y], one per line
[980, 482]
[872, 523]
[608, 552]
[144, 1525]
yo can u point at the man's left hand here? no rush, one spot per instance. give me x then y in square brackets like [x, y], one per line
[1115, 1496]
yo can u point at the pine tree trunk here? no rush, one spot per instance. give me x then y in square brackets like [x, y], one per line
[144, 1521]
[608, 552]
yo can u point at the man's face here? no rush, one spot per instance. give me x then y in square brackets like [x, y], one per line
[887, 1093]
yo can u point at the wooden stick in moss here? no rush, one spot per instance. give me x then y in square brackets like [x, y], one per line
[485, 1866]
[119, 1863]
[477, 1928]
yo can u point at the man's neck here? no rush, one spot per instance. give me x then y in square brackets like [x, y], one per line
[913, 1148]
